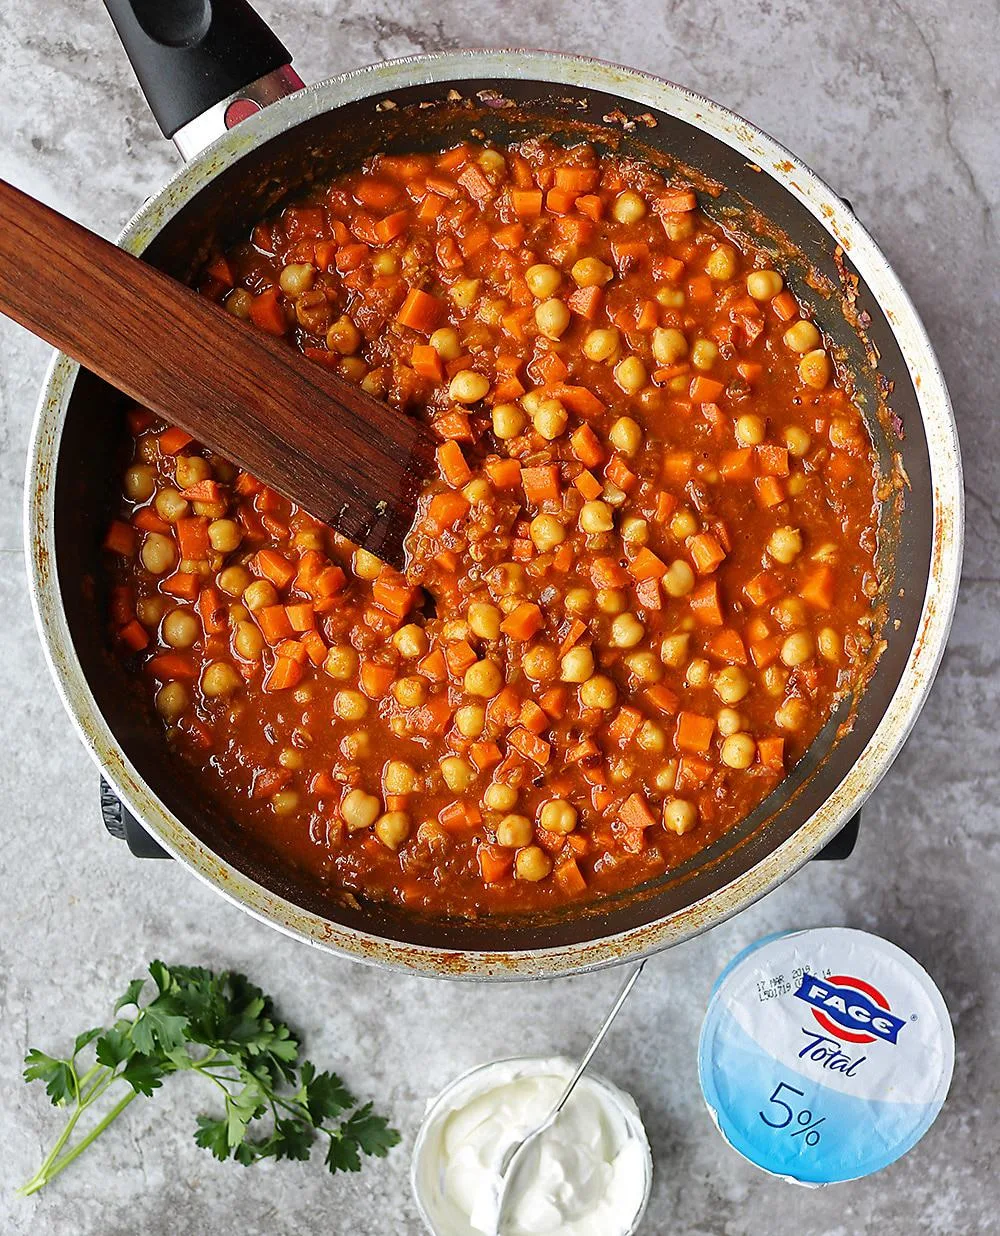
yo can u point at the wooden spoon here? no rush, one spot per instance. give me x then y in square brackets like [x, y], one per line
[304, 430]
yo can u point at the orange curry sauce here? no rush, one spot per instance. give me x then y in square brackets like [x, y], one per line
[640, 583]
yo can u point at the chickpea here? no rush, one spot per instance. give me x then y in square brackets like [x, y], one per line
[398, 777]
[729, 722]
[467, 386]
[180, 628]
[248, 641]
[454, 630]
[508, 421]
[532, 863]
[630, 374]
[612, 601]
[507, 579]
[628, 207]
[483, 679]
[410, 692]
[797, 441]
[463, 292]
[577, 665]
[343, 336]
[679, 816]
[238, 303]
[666, 777]
[773, 679]
[190, 469]
[679, 225]
[626, 631]
[341, 662]
[259, 595]
[551, 419]
[484, 620]
[738, 751]
[359, 810]
[815, 369]
[140, 482]
[547, 532]
[750, 430]
[225, 535]
[234, 580]
[170, 505]
[784, 545]
[297, 278]
[150, 610]
[601, 344]
[219, 679]
[558, 816]
[683, 524]
[652, 737]
[626, 435]
[543, 280]
[552, 318]
[645, 667]
[731, 684]
[410, 641]
[599, 692]
[470, 720]
[350, 705]
[764, 284]
[670, 345]
[365, 565]
[500, 797]
[802, 336]
[698, 672]
[596, 517]
[458, 773]
[171, 701]
[353, 368]
[674, 648]
[670, 298]
[158, 553]
[792, 714]
[797, 649]
[722, 264]
[515, 831]
[829, 644]
[446, 343]
[385, 264]
[392, 829]
[591, 272]
[578, 600]
[790, 612]
[679, 579]
[704, 354]
[539, 663]
[285, 802]
[356, 746]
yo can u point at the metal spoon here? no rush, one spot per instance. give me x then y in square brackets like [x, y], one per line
[515, 1156]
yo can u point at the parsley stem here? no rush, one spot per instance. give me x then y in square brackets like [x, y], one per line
[55, 1168]
[46, 1171]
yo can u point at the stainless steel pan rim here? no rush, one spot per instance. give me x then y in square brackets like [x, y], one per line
[644, 91]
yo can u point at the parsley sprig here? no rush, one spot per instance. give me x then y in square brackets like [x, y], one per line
[222, 1027]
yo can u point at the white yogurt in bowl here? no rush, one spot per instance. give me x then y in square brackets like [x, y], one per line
[588, 1175]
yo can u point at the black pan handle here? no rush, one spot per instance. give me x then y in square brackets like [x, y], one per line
[192, 55]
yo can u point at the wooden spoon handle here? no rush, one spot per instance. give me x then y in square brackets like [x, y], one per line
[309, 433]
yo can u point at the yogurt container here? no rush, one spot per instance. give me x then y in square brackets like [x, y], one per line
[590, 1175]
[825, 1054]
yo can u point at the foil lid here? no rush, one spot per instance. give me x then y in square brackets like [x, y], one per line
[825, 1054]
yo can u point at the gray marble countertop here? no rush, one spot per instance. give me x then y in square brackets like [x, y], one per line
[893, 104]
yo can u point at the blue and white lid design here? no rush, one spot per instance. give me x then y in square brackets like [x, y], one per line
[825, 1054]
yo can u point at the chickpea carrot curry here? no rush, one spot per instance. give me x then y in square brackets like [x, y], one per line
[640, 583]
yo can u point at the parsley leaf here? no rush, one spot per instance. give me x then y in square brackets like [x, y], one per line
[223, 1027]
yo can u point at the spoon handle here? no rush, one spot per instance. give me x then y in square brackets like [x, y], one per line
[581, 1068]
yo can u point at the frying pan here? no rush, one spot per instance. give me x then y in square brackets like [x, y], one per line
[221, 85]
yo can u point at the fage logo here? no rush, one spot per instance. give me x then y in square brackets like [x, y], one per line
[850, 1009]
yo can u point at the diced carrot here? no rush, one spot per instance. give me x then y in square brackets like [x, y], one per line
[678, 466]
[427, 362]
[705, 605]
[694, 732]
[523, 622]
[459, 656]
[134, 635]
[666, 504]
[430, 207]
[619, 473]
[505, 708]
[514, 323]
[579, 179]
[728, 645]
[274, 566]
[647, 565]
[770, 491]
[635, 812]
[376, 679]
[147, 520]
[648, 318]
[579, 400]
[420, 311]
[772, 460]
[316, 650]
[460, 815]
[330, 581]
[504, 473]
[120, 539]
[274, 624]
[192, 538]
[473, 240]
[168, 665]
[589, 486]
[750, 371]
[567, 875]
[533, 717]
[692, 774]
[590, 205]
[648, 594]
[485, 755]
[445, 510]
[705, 390]
[785, 306]
[737, 465]
[291, 649]
[586, 302]
[677, 200]
[212, 610]
[540, 483]
[452, 465]
[302, 616]
[526, 202]
[700, 292]
[663, 699]
[267, 314]
[454, 426]
[771, 753]
[818, 588]
[387, 229]
[283, 674]
[547, 369]
[707, 553]
[625, 725]
[667, 268]
[351, 257]
[495, 862]
[764, 652]
[607, 573]
[530, 745]
[560, 201]
[181, 584]
[434, 666]
[510, 237]
[172, 441]
[554, 702]
[203, 491]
